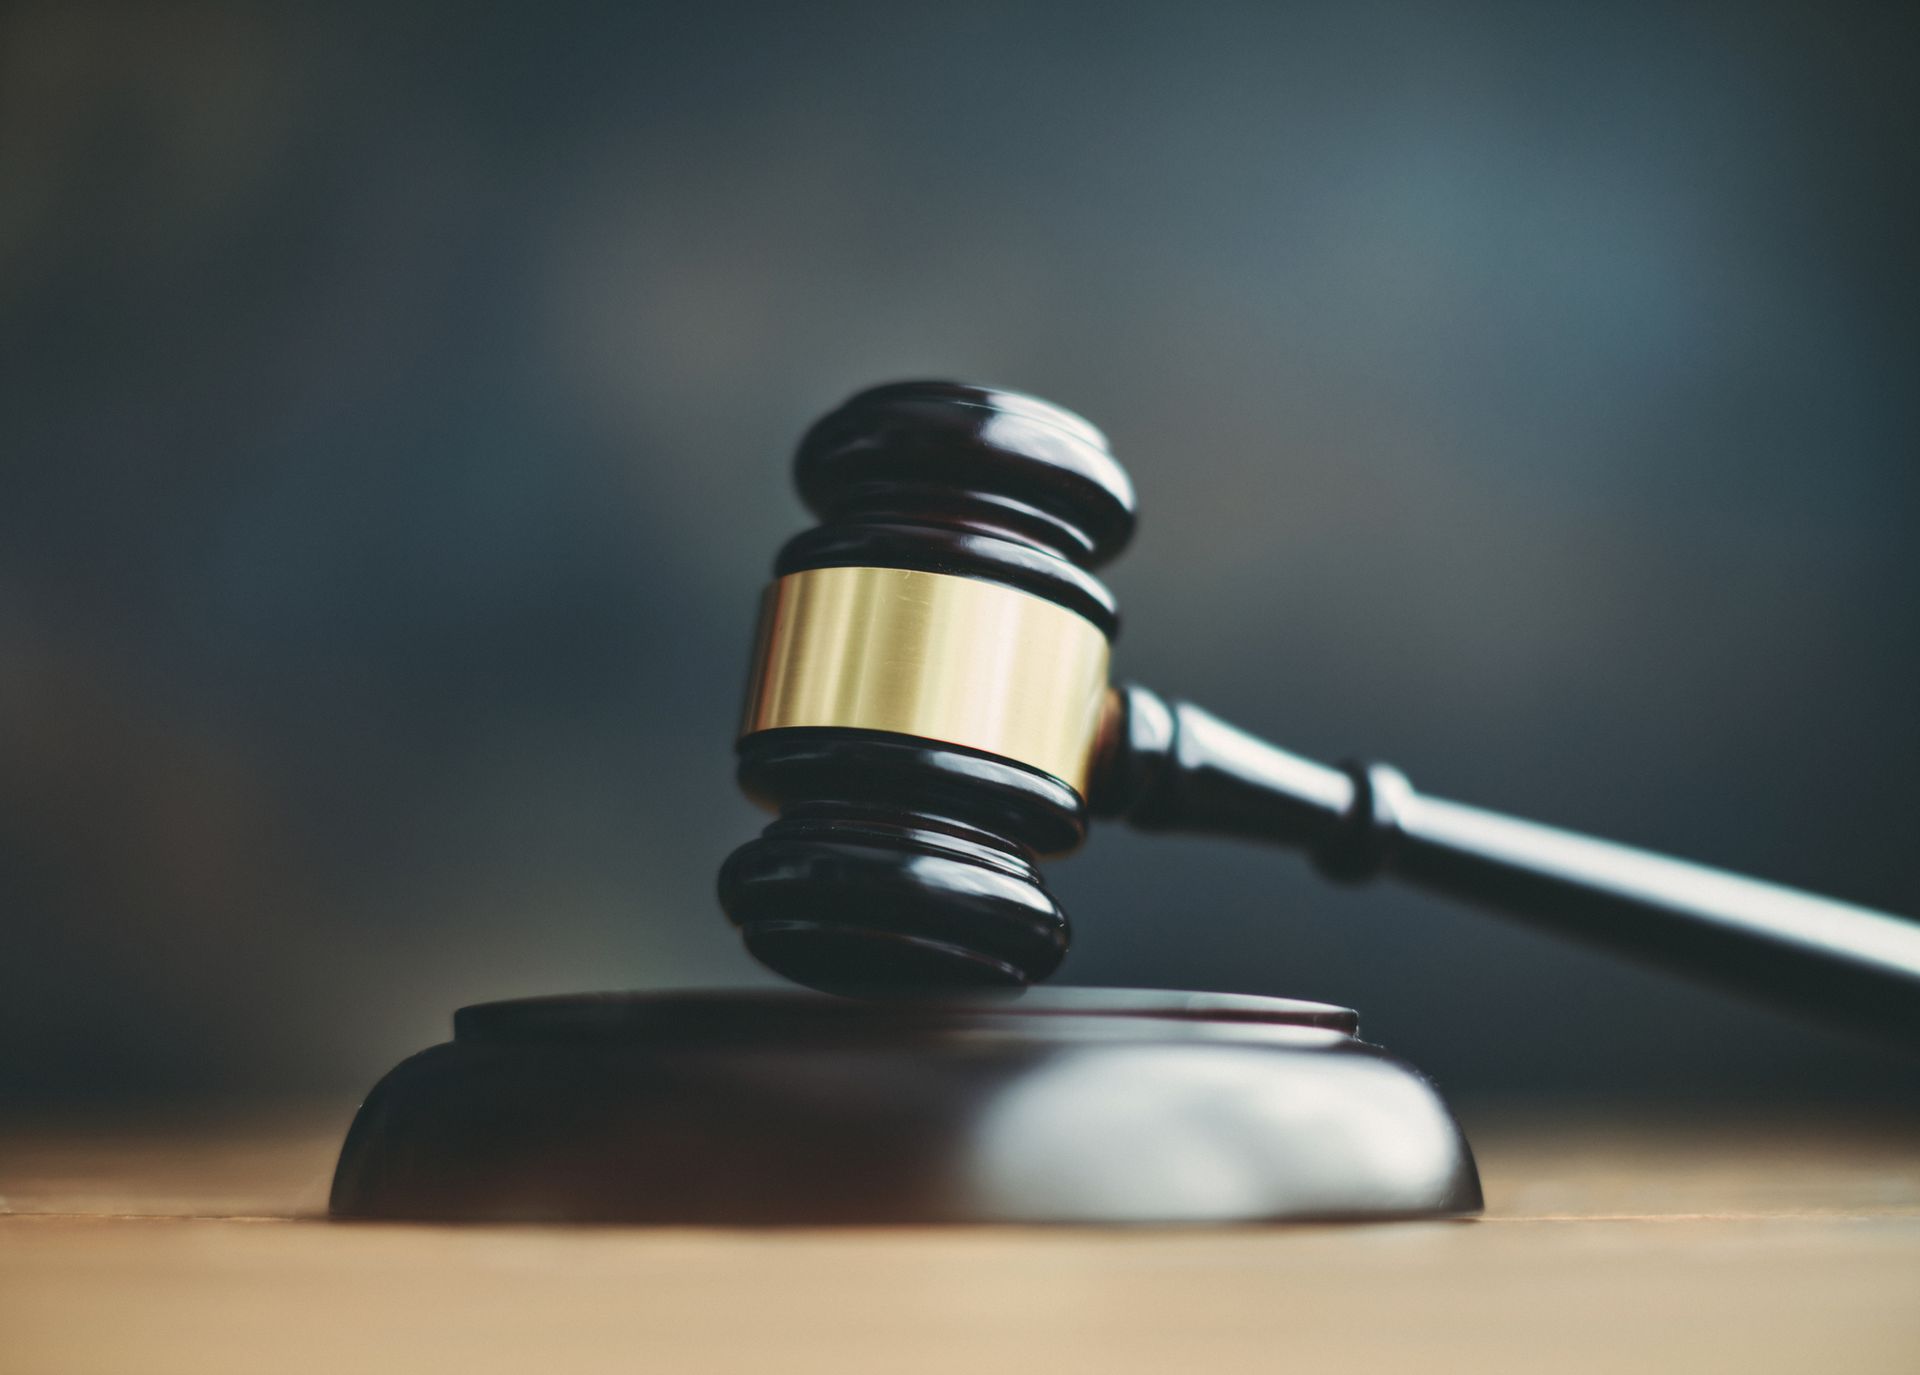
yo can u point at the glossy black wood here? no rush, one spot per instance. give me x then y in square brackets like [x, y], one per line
[973, 481]
[899, 865]
[1076, 1105]
[908, 867]
[1176, 767]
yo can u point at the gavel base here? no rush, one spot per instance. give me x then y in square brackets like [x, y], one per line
[748, 1108]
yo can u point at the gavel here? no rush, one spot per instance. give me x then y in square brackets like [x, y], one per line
[929, 713]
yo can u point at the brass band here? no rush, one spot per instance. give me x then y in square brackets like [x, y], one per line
[944, 658]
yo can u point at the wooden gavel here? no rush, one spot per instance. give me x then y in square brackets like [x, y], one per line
[929, 713]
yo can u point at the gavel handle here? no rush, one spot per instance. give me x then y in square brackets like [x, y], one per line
[1175, 767]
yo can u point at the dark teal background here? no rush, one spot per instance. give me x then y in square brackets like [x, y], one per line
[395, 403]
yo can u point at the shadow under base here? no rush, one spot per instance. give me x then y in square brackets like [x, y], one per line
[749, 1108]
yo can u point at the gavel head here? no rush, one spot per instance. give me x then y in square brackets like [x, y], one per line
[927, 692]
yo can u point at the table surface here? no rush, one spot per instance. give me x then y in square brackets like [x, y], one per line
[1750, 1244]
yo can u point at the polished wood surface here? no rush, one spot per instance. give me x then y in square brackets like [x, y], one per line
[1744, 1243]
[756, 1108]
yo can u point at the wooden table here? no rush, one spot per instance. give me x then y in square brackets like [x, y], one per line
[1747, 1245]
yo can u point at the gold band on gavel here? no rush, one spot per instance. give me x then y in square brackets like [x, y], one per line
[944, 658]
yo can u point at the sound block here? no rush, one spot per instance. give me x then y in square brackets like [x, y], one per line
[750, 1108]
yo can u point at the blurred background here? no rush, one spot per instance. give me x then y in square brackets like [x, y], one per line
[396, 399]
